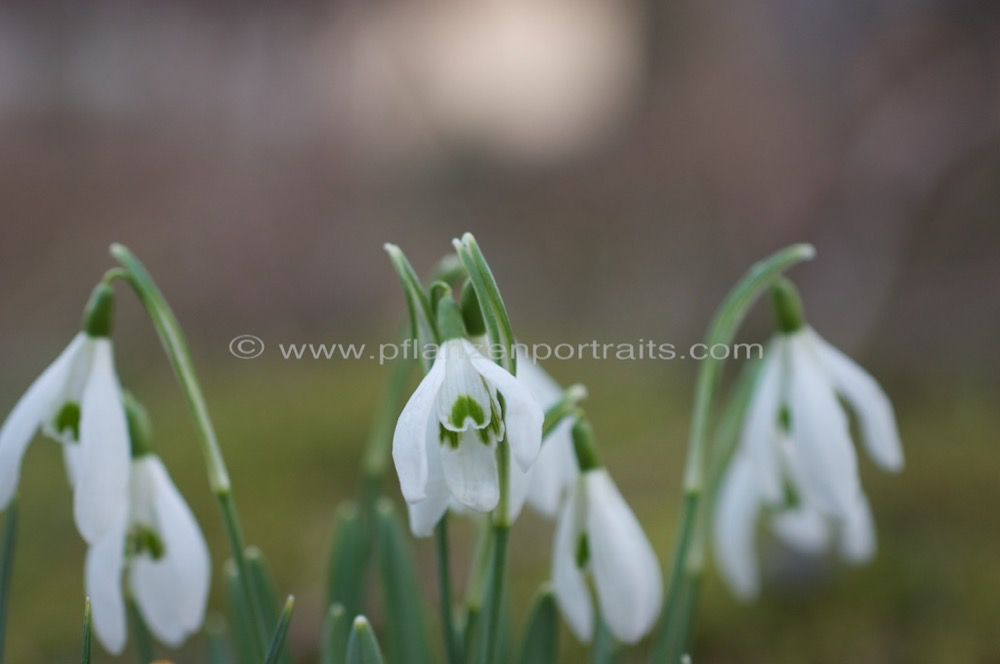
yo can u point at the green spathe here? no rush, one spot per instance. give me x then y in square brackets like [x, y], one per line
[787, 304]
[98, 314]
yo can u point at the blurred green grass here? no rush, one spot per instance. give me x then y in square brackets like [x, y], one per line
[293, 433]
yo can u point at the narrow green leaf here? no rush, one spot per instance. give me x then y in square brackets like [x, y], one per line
[495, 317]
[348, 560]
[404, 613]
[423, 327]
[336, 633]
[240, 618]
[363, 647]
[6, 570]
[263, 586]
[217, 649]
[85, 657]
[280, 633]
[541, 636]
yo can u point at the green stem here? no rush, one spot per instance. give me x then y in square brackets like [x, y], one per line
[85, 655]
[476, 587]
[491, 623]
[6, 570]
[451, 645]
[682, 591]
[143, 639]
[176, 349]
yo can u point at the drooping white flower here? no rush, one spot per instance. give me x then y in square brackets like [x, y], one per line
[444, 445]
[156, 553]
[77, 400]
[795, 459]
[556, 469]
[598, 535]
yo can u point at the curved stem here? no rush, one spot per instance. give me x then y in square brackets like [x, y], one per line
[176, 349]
[444, 590]
[491, 625]
[683, 588]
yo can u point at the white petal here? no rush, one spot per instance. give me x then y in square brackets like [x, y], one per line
[555, 470]
[462, 381]
[734, 525]
[103, 471]
[409, 441]
[868, 401]
[471, 471]
[802, 529]
[425, 514]
[37, 404]
[568, 582]
[626, 571]
[541, 385]
[761, 427]
[103, 583]
[826, 465]
[523, 416]
[171, 592]
[71, 459]
[857, 537]
[520, 482]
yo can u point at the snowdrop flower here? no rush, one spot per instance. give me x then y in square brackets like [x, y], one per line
[444, 445]
[556, 470]
[77, 401]
[598, 535]
[795, 459]
[157, 545]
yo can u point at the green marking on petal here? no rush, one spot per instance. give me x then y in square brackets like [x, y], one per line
[68, 420]
[144, 540]
[447, 436]
[582, 551]
[465, 407]
[785, 419]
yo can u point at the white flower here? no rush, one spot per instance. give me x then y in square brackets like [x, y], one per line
[556, 469]
[598, 533]
[445, 441]
[76, 400]
[795, 458]
[159, 546]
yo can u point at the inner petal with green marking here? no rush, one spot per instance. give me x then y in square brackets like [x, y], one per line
[466, 408]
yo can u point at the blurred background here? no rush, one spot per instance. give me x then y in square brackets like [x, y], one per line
[621, 163]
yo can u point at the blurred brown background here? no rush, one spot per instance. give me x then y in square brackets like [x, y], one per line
[621, 163]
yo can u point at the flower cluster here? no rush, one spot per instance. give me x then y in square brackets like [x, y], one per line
[447, 453]
[125, 505]
[480, 437]
[795, 460]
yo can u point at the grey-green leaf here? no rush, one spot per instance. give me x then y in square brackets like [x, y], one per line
[403, 609]
[336, 633]
[362, 648]
[280, 633]
[85, 657]
[348, 560]
[239, 613]
[541, 636]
